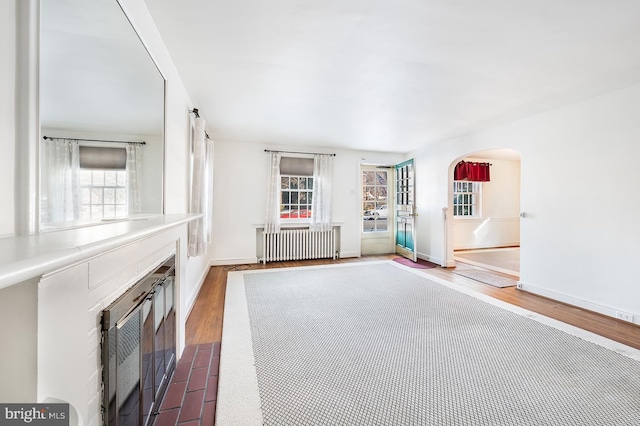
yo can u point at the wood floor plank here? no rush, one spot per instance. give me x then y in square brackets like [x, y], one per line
[204, 324]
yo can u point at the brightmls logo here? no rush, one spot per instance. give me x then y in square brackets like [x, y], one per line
[34, 414]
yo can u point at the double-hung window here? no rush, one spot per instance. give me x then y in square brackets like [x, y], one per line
[296, 193]
[296, 189]
[466, 199]
[103, 182]
[103, 193]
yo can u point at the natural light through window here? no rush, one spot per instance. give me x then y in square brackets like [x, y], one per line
[296, 194]
[375, 209]
[103, 193]
[466, 197]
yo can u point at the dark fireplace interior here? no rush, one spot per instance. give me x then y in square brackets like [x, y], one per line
[139, 348]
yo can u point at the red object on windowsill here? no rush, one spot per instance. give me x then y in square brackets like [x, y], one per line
[295, 214]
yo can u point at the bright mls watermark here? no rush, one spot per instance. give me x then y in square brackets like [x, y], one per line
[34, 414]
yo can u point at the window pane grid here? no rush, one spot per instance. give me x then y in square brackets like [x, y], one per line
[465, 198]
[404, 187]
[374, 201]
[296, 196]
[103, 193]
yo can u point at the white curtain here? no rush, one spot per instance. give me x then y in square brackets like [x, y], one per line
[208, 190]
[322, 203]
[134, 162]
[272, 217]
[60, 181]
[197, 243]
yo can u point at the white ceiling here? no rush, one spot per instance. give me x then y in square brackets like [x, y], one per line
[392, 75]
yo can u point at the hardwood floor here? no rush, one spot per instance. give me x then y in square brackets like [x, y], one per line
[204, 324]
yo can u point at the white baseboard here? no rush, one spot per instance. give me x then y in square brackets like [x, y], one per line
[354, 253]
[498, 244]
[429, 258]
[239, 261]
[192, 300]
[584, 304]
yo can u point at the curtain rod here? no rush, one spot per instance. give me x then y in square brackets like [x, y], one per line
[92, 140]
[462, 161]
[298, 152]
[197, 114]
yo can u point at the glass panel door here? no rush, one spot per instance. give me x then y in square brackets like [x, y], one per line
[405, 210]
[375, 208]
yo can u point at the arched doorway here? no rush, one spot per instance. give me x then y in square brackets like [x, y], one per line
[482, 225]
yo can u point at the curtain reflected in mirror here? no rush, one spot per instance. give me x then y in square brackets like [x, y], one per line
[99, 88]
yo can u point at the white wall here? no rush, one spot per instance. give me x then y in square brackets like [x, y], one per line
[577, 177]
[239, 197]
[7, 112]
[498, 224]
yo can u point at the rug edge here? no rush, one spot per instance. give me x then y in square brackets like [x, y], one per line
[238, 400]
[594, 338]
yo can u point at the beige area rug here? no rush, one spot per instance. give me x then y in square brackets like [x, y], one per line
[505, 260]
[486, 277]
[381, 343]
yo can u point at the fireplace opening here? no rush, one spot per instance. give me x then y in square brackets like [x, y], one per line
[139, 348]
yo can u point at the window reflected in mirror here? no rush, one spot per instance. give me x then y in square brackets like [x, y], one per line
[102, 113]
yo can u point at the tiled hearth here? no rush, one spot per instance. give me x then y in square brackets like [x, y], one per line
[191, 397]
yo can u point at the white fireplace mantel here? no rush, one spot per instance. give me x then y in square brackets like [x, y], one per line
[27, 256]
[53, 287]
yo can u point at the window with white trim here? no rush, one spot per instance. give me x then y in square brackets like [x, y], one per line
[103, 182]
[296, 189]
[296, 193]
[375, 208]
[103, 193]
[466, 199]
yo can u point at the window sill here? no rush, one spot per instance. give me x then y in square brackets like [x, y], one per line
[467, 217]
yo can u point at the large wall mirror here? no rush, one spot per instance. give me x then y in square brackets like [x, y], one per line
[101, 115]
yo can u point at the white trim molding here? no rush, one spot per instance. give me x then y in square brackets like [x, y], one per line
[191, 302]
[580, 303]
[27, 117]
[434, 259]
[236, 261]
[352, 253]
